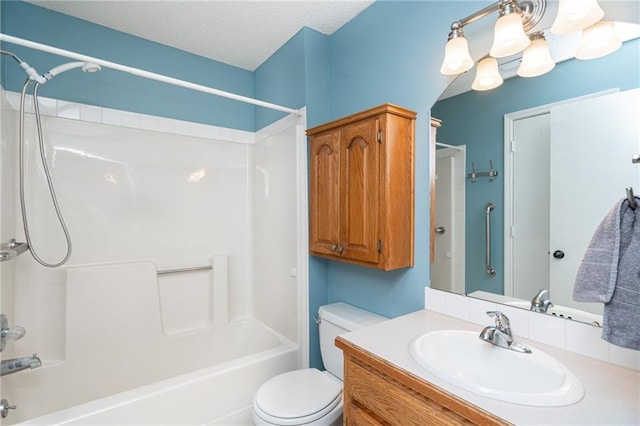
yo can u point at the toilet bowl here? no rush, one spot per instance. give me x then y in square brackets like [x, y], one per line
[310, 396]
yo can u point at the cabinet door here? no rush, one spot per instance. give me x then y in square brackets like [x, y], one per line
[360, 190]
[324, 194]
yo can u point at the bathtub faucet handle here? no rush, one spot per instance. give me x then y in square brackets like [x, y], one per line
[5, 407]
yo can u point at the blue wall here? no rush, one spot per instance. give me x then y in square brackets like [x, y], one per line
[115, 89]
[384, 55]
[483, 132]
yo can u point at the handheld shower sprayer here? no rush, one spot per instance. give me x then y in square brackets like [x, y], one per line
[86, 67]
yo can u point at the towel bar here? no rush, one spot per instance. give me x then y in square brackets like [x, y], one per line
[178, 270]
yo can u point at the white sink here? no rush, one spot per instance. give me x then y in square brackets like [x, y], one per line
[564, 312]
[461, 358]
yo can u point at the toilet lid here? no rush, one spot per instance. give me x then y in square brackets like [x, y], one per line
[299, 393]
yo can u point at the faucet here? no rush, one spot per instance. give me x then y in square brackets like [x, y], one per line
[500, 334]
[539, 303]
[10, 366]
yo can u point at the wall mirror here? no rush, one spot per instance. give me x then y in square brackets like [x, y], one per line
[578, 113]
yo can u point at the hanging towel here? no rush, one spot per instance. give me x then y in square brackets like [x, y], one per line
[610, 274]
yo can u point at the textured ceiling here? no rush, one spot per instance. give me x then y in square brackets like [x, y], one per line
[243, 33]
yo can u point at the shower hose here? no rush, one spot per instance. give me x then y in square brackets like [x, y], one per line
[47, 175]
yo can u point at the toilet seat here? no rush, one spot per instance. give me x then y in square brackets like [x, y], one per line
[298, 397]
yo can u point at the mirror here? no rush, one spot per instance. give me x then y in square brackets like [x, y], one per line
[471, 138]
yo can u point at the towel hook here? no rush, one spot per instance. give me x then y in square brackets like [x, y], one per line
[631, 198]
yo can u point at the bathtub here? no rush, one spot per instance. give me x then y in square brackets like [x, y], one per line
[142, 348]
[219, 394]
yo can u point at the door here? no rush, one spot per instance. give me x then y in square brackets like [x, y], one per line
[324, 192]
[570, 165]
[447, 269]
[530, 224]
[360, 190]
[590, 169]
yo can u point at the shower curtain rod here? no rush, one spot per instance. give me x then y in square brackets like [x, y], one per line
[142, 73]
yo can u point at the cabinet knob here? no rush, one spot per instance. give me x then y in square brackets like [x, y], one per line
[334, 247]
[340, 249]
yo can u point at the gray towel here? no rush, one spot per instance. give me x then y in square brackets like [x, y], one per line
[610, 274]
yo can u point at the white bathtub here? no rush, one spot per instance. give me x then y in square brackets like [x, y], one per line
[219, 394]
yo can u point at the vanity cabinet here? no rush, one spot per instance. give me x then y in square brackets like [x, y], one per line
[378, 393]
[361, 194]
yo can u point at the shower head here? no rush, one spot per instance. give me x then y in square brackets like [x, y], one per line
[86, 67]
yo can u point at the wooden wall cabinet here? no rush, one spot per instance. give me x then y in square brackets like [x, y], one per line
[361, 195]
[378, 393]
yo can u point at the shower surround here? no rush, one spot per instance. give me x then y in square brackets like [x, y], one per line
[143, 194]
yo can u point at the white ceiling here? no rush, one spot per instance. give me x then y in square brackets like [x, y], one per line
[243, 33]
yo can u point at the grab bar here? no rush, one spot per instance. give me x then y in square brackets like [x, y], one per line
[178, 270]
[487, 236]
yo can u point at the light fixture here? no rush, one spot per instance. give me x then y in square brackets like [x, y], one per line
[456, 53]
[600, 39]
[515, 17]
[509, 36]
[487, 75]
[536, 59]
[576, 15]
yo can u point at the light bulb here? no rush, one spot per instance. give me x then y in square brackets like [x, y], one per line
[456, 56]
[487, 75]
[509, 36]
[598, 40]
[536, 59]
[576, 15]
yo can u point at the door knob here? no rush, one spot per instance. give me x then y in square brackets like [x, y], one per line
[440, 230]
[558, 254]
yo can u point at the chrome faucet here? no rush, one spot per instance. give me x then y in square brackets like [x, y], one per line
[539, 303]
[500, 334]
[10, 366]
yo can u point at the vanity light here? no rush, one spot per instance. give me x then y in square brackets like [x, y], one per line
[487, 75]
[536, 59]
[456, 54]
[576, 15]
[600, 39]
[509, 36]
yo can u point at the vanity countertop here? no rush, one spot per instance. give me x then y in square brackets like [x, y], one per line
[612, 393]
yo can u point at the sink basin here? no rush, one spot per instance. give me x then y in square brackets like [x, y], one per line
[564, 312]
[462, 359]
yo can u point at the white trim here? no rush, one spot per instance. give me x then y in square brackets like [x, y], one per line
[446, 145]
[509, 120]
[142, 73]
[303, 241]
[93, 114]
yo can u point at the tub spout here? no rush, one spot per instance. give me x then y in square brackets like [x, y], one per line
[10, 366]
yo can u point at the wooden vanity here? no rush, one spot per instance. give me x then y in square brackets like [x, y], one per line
[378, 393]
[384, 385]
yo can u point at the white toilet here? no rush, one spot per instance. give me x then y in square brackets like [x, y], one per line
[310, 396]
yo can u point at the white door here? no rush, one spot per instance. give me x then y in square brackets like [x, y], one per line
[442, 267]
[592, 143]
[530, 222]
[447, 270]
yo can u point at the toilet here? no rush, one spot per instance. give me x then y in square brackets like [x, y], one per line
[310, 396]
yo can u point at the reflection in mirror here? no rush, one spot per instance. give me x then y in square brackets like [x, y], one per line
[547, 207]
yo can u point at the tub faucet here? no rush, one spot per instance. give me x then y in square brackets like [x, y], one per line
[10, 366]
[539, 303]
[500, 334]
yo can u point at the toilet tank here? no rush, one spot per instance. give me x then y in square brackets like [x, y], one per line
[336, 319]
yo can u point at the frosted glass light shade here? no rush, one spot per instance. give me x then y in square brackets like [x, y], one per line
[456, 57]
[598, 40]
[509, 36]
[536, 59]
[487, 75]
[576, 15]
